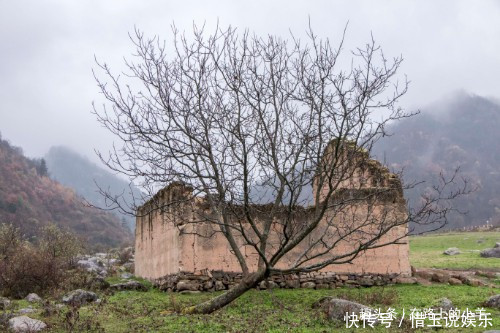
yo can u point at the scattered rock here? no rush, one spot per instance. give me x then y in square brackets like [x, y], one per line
[365, 282]
[308, 285]
[292, 284]
[444, 304]
[129, 285]
[26, 324]
[126, 275]
[219, 285]
[4, 303]
[187, 285]
[29, 309]
[452, 251]
[440, 277]
[93, 265]
[79, 297]
[33, 298]
[405, 280]
[98, 283]
[493, 302]
[480, 241]
[336, 308]
[189, 292]
[454, 282]
[491, 253]
[268, 285]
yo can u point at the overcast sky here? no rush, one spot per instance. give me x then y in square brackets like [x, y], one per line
[48, 47]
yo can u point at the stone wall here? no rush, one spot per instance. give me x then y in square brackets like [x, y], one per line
[167, 248]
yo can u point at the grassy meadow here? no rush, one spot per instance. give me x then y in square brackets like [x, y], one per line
[427, 250]
[285, 310]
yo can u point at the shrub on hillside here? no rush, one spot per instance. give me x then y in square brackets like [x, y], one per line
[34, 267]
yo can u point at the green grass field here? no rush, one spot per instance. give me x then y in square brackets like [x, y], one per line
[285, 310]
[427, 251]
[279, 310]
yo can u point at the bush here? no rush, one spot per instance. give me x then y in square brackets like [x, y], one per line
[27, 267]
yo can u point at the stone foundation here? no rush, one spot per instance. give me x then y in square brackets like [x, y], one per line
[217, 280]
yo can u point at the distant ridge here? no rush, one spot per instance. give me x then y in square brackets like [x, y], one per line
[30, 199]
[78, 172]
[464, 132]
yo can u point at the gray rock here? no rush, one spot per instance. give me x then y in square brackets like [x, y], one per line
[126, 275]
[98, 283]
[492, 331]
[493, 302]
[189, 292]
[129, 285]
[4, 303]
[308, 285]
[93, 265]
[29, 309]
[405, 280]
[187, 285]
[33, 298]
[79, 297]
[219, 285]
[336, 308]
[444, 304]
[268, 285]
[452, 251]
[293, 284]
[26, 324]
[491, 253]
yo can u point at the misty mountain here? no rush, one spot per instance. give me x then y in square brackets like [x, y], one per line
[462, 132]
[78, 172]
[29, 199]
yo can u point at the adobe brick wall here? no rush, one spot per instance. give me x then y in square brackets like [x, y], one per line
[163, 248]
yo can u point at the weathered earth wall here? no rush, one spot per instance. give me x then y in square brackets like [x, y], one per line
[167, 251]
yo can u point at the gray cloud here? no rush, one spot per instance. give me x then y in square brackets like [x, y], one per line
[47, 50]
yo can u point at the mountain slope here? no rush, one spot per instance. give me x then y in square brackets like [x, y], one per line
[76, 171]
[461, 133]
[29, 199]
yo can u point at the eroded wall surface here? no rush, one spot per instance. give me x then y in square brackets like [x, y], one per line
[163, 247]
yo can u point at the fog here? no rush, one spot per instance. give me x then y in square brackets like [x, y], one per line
[48, 48]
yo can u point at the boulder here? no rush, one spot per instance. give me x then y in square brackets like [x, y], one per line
[293, 284]
[32, 298]
[336, 308]
[452, 251]
[26, 324]
[268, 285]
[187, 285]
[308, 285]
[129, 285]
[405, 280]
[4, 303]
[491, 253]
[219, 285]
[445, 304]
[126, 275]
[493, 302]
[92, 265]
[29, 309]
[79, 297]
[98, 283]
[454, 281]
[441, 277]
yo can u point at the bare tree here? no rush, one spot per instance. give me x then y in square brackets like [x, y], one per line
[266, 131]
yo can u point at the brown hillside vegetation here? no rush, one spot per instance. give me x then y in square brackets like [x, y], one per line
[29, 199]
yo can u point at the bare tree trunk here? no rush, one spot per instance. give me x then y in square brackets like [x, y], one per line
[220, 301]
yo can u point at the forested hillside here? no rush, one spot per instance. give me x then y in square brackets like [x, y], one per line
[463, 132]
[30, 199]
[78, 172]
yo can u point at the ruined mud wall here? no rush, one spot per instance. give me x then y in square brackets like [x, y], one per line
[167, 250]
